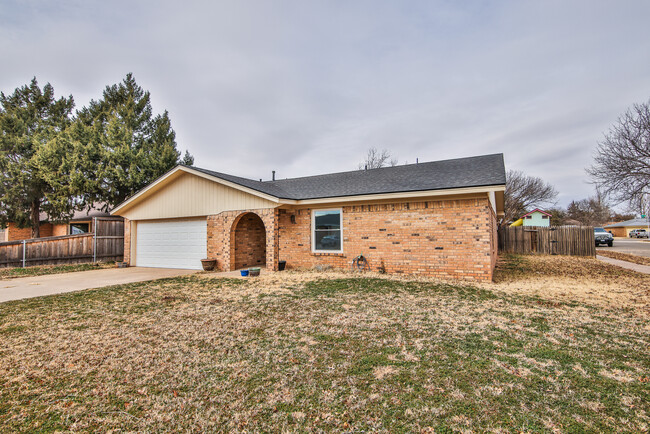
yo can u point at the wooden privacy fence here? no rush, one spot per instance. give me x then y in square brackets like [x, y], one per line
[555, 240]
[106, 243]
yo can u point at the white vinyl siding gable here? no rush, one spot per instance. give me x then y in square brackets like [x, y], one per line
[193, 196]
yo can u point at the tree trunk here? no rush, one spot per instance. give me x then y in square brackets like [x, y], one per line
[36, 218]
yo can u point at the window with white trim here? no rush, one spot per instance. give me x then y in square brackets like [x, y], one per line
[3, 234]
[327, 231]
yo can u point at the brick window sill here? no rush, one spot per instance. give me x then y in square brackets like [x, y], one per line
[342, 255]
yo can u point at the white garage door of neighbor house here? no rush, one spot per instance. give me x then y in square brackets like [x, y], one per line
[171, 244]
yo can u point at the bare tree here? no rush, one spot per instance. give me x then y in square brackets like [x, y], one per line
[590, 212]
[524, 192]
[621, 167]
[376, 159]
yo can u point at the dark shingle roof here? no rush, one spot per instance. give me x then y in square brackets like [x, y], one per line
[486, 170]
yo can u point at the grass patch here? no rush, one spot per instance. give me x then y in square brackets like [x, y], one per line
[377, 286]
[301, 352]
[635, 259]
[41, 270]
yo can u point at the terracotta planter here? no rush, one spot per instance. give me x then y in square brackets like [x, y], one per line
[208, 264]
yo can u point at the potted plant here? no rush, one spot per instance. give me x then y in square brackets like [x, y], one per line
[208, 264]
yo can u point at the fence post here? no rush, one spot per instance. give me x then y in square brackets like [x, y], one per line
[94, 239]
[24, 244]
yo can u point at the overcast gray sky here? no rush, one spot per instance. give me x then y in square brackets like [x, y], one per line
[305, 87]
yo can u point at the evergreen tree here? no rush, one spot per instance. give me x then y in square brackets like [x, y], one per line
[131, 146]
[34, 157]
[188, 159]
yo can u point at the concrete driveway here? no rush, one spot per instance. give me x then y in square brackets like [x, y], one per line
[28, 287]
[634, 246]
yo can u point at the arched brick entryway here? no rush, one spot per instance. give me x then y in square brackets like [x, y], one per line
[248, 242]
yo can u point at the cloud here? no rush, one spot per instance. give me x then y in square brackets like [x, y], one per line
[307, 87]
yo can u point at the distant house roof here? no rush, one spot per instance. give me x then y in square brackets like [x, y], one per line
[481, 171]
[85, 214]
[90, 213]
[629, 223]
[536, 210]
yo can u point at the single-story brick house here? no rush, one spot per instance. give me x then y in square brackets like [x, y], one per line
[80, 223]
[437, 219]
[623, 229]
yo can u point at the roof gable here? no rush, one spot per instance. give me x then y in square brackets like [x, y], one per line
[536, 210]
[190, 195]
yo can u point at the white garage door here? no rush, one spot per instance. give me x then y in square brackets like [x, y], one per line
[171, 244]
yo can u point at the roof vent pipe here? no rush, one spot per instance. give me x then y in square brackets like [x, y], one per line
[417, 160]
[274, 175]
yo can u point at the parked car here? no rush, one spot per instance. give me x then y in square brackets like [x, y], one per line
[330, 241]
[638, 233]
[603, 237]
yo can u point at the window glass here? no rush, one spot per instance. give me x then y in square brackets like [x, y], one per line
[327, 230]
[327, 220]
[79, 228]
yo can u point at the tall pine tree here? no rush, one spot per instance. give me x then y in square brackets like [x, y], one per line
[131, 146]
[34, 157]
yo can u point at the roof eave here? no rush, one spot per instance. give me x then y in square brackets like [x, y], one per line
[396, 195]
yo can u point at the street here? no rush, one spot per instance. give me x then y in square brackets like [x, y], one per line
[633, 246]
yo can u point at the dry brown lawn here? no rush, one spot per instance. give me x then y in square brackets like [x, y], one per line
[573, 279]
[636, 259]
[556, 344]
[40, 270]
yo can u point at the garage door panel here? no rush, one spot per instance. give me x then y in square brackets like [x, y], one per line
[171, 244]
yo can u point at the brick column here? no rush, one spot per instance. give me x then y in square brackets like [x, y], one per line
[270, 219]
[127, 241]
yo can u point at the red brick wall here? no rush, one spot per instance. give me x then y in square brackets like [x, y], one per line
[448, 238]
[14, 233]
[445, 238]
[618, 232]
[494, 238]
[250, 242]
[222, 233]
[47, 230]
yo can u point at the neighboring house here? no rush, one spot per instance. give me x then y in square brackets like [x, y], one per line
[436, 219]
[622, 229]
[536, 217]
[80, 223]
